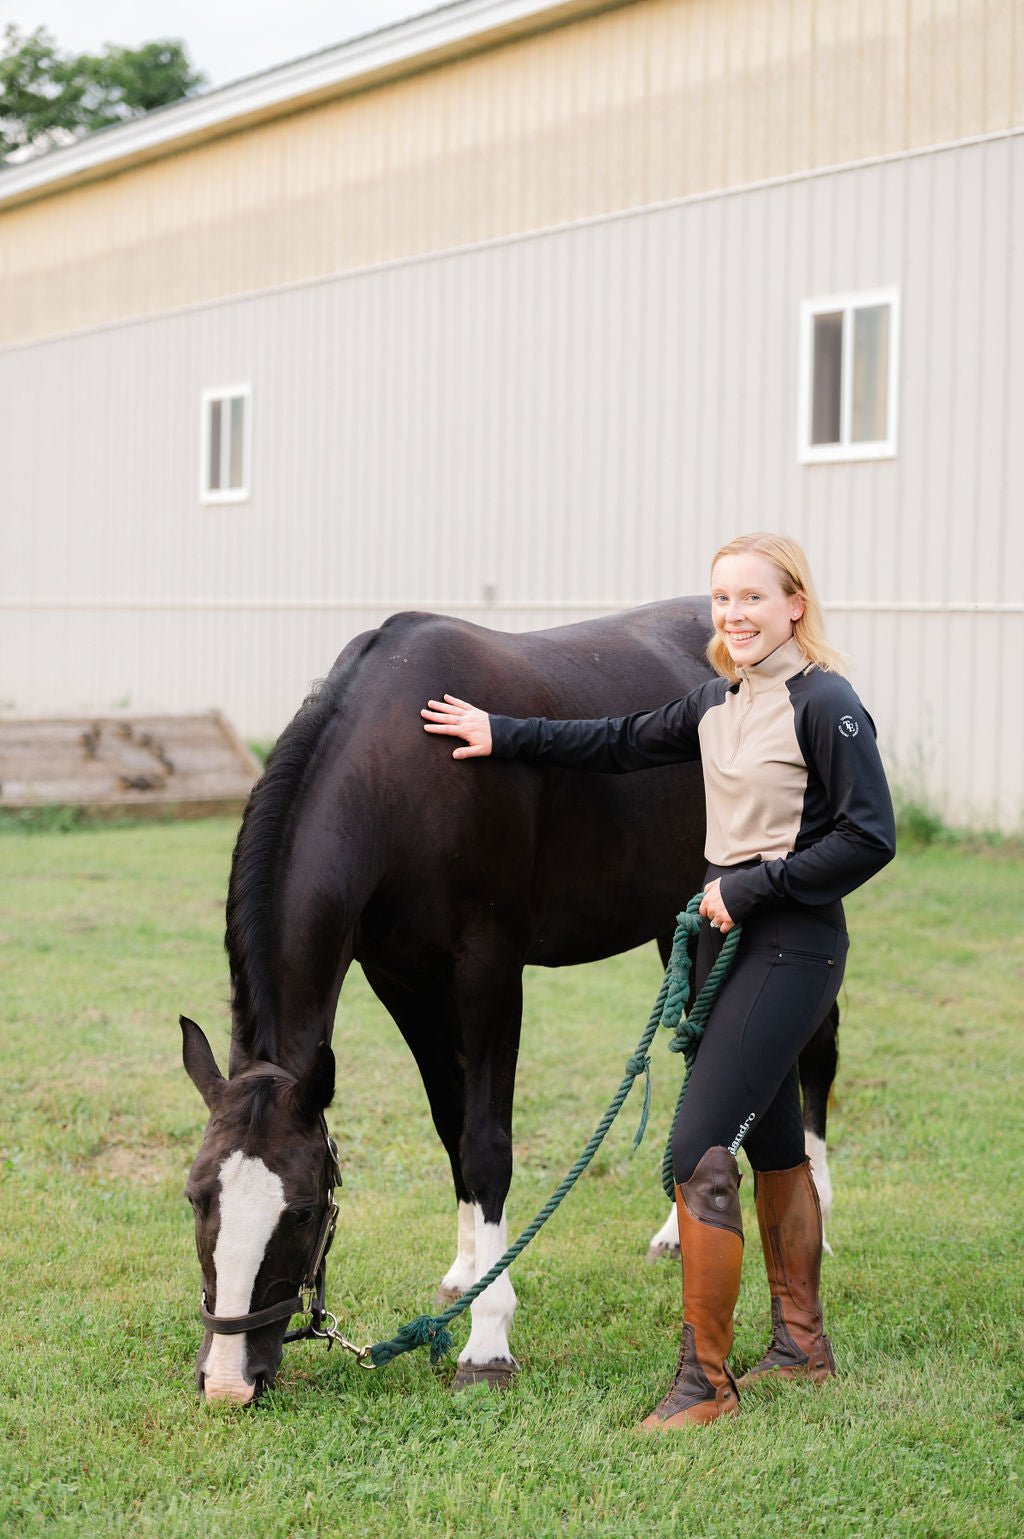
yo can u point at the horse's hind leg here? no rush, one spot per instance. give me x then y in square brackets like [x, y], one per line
[666, 1241]
[818, 1063]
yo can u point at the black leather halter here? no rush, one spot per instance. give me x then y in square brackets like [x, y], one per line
[309, 1300]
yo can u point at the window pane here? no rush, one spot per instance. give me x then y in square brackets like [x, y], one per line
[828, 376]
[237, 440]
[870, 374]
[213, 479]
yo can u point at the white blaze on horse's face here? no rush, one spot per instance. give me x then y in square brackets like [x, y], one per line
[251, 1203]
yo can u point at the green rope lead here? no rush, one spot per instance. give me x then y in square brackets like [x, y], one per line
[669, 1010]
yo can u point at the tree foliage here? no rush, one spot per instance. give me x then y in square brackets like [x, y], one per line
[48, 97]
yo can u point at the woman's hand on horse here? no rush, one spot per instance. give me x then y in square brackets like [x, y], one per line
[452, 717]
[714, 909]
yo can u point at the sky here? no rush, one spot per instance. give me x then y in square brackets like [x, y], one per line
[226, 39]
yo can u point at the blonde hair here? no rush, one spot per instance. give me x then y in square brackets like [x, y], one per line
[795, 576]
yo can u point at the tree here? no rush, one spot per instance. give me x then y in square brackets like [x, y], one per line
[49, 98]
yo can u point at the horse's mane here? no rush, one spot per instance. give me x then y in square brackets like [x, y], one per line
[257, 863]
[254, 1109]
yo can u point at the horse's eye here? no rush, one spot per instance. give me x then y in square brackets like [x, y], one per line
[198, 1203]
[301, 1217]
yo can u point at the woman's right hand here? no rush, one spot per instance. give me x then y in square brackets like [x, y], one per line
[452, 717]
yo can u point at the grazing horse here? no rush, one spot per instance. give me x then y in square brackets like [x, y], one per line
[363, 841]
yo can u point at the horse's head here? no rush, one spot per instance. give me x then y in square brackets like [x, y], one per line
[261, 1190]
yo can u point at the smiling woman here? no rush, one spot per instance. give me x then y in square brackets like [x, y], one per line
[762, 593]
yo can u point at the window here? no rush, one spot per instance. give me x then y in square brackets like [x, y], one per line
[849, 350]
[224, 445]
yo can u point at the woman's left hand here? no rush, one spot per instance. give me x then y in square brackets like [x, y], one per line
[714, 909]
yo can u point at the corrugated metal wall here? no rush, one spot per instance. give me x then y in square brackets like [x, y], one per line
[539, 429]
[645, 103]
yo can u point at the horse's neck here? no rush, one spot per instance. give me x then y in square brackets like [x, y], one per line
[287, 1003]
[293, 934]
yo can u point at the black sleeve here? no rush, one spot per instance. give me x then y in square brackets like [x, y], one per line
[609, 744]
[847, 801]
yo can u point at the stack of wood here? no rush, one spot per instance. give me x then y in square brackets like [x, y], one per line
[118, 765]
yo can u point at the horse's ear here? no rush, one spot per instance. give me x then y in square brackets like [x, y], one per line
[313, 1093]
[200, 1064]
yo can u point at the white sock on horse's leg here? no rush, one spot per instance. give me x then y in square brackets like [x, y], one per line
[666, 1241]
[462, 1273]
[815, 1150]
[492, 1312]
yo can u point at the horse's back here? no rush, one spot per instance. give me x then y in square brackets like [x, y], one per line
[633, 660]
[579, 865]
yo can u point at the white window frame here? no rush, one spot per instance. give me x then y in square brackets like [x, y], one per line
[881, 449]
[208, 494]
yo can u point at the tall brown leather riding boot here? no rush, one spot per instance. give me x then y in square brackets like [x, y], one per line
[711, 1243]
[789, 1217]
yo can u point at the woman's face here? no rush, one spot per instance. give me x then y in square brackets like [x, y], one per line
[752, 613]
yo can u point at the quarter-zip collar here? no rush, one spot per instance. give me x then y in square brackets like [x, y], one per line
[783, 663]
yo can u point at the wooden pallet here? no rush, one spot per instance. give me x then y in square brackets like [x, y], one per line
[125, 765]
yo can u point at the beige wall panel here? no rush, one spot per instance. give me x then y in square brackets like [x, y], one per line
[920, 82]
[643, 104]
[999, 40]
[968, 68]
[830, 64]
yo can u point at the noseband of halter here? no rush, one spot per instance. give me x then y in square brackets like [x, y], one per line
[310, 1298]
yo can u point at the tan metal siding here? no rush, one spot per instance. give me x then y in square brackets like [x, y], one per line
[645, 103]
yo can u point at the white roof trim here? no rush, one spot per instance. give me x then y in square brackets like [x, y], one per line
[330, 69]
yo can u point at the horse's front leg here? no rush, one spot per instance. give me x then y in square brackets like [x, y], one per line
[427, 1021]
[489, 1004]
[487, 1357]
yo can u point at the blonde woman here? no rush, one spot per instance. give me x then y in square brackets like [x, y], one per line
[798, 815]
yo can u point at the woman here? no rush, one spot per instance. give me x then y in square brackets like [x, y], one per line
[798, 815]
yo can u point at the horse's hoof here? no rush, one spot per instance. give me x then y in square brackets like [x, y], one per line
[447, 1295]
[497, 1375]
[655, 1252]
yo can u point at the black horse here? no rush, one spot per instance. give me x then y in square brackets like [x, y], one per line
[364, 841]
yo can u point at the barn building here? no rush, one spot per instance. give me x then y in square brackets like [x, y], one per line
[516, 310]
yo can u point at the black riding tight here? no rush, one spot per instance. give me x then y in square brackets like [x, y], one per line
[745, 1087]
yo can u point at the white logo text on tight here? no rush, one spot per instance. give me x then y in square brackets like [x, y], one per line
[742, 1133]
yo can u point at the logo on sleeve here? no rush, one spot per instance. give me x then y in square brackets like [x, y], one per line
[848, 727]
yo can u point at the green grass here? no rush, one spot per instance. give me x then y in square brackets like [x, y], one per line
[106, 934]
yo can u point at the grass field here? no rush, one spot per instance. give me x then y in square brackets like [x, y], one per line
[106, 935]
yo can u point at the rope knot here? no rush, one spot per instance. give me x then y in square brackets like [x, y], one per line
[425, 1330]
[640, 1063]
[677, 974]
[686, 1039]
